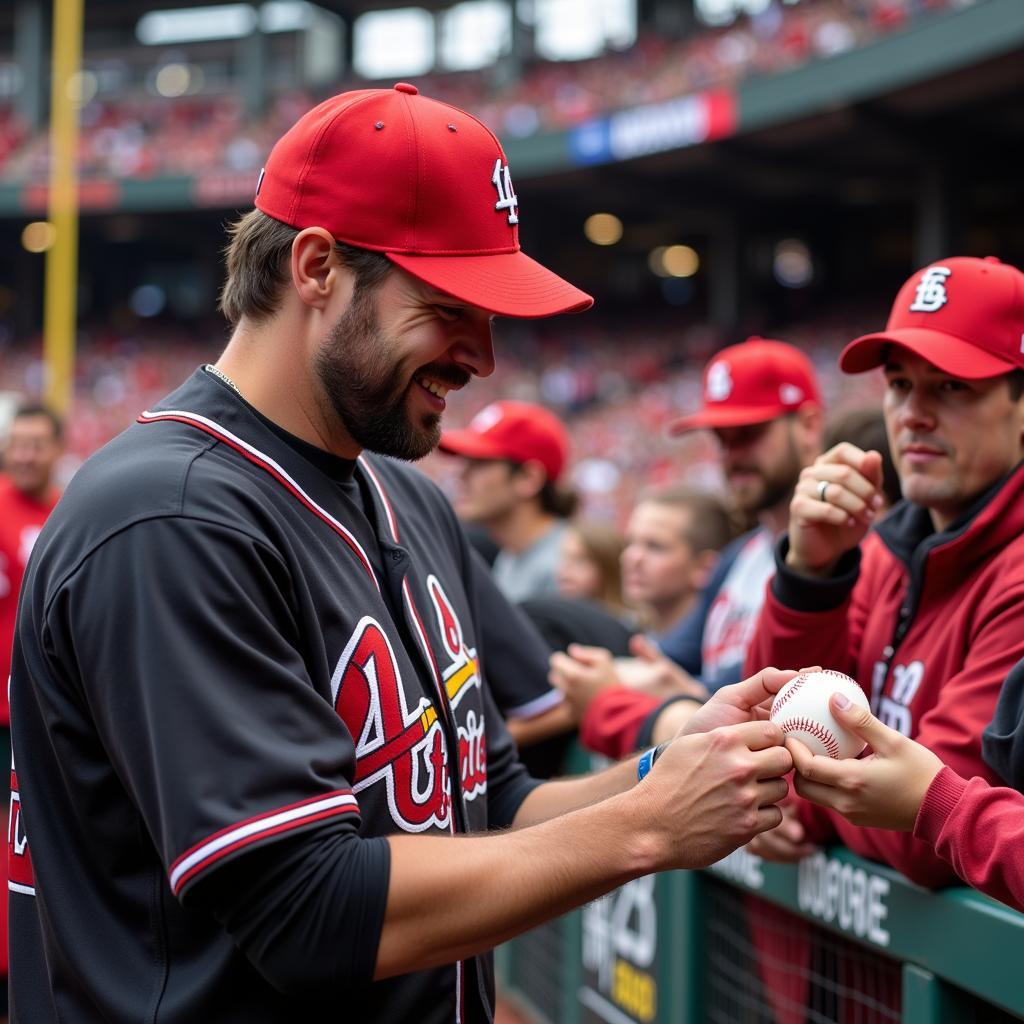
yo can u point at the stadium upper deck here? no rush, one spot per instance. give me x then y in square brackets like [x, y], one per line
[195, 120]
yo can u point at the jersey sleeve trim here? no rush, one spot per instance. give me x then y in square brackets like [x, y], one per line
[207, 853]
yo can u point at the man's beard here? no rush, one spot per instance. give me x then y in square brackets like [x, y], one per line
[776, 484]
[368, 393]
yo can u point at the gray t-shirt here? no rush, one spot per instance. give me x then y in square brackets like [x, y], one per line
[531, 573]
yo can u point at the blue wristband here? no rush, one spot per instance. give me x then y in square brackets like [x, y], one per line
[647, 759]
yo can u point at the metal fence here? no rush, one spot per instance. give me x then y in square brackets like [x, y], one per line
[833, 940]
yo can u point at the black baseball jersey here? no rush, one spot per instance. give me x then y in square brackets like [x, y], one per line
[240, 663]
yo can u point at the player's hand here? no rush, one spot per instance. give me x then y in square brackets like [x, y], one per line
[826, 522]
[746, 701]
[712, 792]
[652, 672]
[786, 843]
[581, 673]
[882, 790]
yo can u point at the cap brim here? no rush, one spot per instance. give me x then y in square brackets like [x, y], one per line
[726, 416]
[507, 283]
[469, 444]
[949, 353]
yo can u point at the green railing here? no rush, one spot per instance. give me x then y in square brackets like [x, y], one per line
[833, 939]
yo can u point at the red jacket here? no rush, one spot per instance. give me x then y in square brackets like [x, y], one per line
[21, 519]
[930, 626]
[979, 829]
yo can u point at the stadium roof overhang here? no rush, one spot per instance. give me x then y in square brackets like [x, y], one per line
[112, 12]
[123, 14]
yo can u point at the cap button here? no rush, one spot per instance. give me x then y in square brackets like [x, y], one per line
[993, 259]
[406, 87]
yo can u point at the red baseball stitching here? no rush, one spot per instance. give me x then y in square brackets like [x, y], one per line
[817, 730]
[798, 683]
[781, 702]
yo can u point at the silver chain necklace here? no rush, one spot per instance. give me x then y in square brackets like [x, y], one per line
[210, 368]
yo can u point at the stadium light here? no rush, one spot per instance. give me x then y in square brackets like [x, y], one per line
[82, 87]
[724, 12]
[148, 300]
[399, 41]
[578, 29]
[38, 236]
[173, 80]
[674, 261]
[286, 16]
[792, 264]
[475, 34]
[602, 228]
[196, 24]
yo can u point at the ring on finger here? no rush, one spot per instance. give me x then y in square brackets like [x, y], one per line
[822, 488]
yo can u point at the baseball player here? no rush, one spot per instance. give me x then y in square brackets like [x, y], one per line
[254, 752]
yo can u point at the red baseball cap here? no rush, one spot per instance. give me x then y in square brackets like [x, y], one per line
[753, 382]
[964, 315]
[424, 183]
[517, 431]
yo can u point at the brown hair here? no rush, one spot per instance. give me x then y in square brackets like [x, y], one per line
[558, 500]
[257, 255]
[710, 527]
[38, 409]
[603, 544]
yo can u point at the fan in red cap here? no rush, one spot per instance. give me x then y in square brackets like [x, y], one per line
[754, 382]
[762, 403]
[515, 455]
[921, 606]
[964, 315]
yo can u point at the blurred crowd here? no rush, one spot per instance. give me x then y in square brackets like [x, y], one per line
[615, 399]
[146, 135]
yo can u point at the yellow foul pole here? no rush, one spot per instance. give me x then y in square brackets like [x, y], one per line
[60, 312]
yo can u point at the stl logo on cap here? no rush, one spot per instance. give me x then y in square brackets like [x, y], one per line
[719, 382]
[931, 292]
[501, 179]
[790, 394]
[486, 418]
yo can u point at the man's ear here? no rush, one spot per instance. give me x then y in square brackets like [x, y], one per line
[317, 271]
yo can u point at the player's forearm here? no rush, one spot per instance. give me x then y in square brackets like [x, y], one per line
[563, 795]
[450, 898]
[553, 722]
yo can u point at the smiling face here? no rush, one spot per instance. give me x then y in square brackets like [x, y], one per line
[951, 438]
[391, 358]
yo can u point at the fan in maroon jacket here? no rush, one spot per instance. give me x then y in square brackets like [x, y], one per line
[926, 610]
[976, 827]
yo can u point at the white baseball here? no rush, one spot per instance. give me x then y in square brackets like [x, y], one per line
[801, 709]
